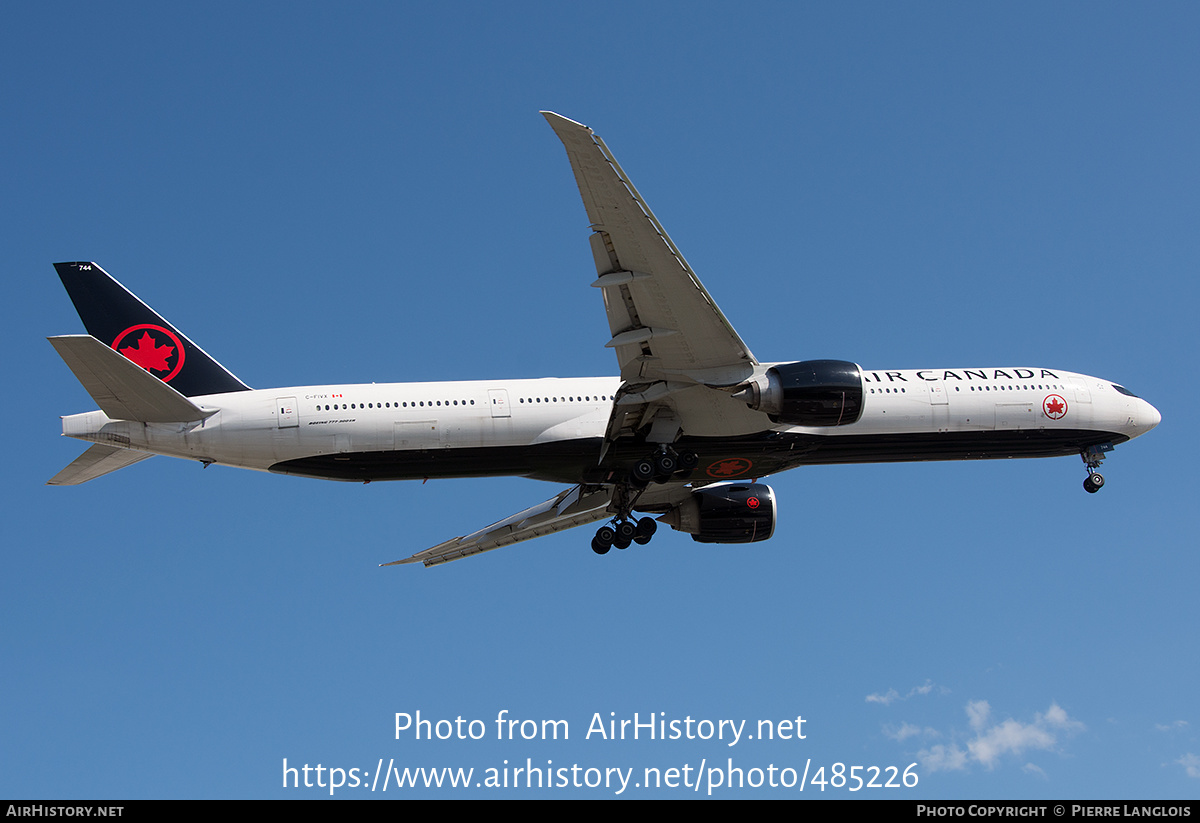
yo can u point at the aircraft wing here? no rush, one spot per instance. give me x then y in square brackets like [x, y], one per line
[566, 510]
[664, 324]
[680, 357]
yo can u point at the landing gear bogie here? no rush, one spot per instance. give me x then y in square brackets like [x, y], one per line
[624, 533]
[663, 466]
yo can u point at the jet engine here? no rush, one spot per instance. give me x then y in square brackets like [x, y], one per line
[726, 513]
[808, 393]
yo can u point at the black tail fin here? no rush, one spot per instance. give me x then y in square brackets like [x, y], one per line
[115, 316]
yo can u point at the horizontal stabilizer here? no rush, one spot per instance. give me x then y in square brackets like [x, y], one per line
[122, 389]
[97, 461]
[566, 510]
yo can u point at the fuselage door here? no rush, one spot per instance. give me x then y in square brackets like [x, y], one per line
[937, 394]
[498, 400]
[1082, 394]
[288, 414]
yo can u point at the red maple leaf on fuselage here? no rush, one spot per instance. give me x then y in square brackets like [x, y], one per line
[1055, 407]
[728, 468]
[148, 354]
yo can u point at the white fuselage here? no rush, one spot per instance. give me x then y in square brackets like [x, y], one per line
[488, 424]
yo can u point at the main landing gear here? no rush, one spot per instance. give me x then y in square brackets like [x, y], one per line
[1093, 456]
[623, 533]
[661, 467]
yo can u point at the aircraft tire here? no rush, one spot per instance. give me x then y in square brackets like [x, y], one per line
[646, 527]
[665, 465]
[605, 536]
[642, 473]
[626, 531]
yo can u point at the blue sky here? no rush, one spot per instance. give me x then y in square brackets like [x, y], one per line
[367, 193]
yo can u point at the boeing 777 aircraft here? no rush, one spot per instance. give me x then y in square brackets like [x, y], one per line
[682, 435]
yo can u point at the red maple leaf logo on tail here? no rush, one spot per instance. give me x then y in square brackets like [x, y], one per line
[148, 354]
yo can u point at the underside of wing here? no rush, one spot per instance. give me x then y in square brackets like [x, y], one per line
[680, 357]
[566, 510]
[664, 324]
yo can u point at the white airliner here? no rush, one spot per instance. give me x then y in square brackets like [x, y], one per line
[684, 433]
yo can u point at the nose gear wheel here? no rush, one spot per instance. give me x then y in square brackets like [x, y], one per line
[1093, 456]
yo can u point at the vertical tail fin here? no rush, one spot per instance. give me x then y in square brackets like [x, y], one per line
[115, 316]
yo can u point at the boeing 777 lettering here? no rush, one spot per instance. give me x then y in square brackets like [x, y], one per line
[682, 436]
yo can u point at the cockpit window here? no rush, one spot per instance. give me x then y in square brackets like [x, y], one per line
[1124, 390]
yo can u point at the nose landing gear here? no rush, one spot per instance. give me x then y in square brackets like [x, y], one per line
[1093, 456]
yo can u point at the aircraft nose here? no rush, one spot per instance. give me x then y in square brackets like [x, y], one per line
[1151, 416]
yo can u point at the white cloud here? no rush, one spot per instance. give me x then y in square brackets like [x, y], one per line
[1009, 737]
[1191, 764]
[1030, 768]
[977, 713]
[993, 741]
[939, 758]
[1170, 727]
[891, 695]
[907, 730]
[885, 699]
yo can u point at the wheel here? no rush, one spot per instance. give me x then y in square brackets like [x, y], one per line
[646, 527]
[600, 548]
[664, 466]
[626, 531]
[642, 473]
[688, 461]
[1097, 482]
[621, 543]
[605, 536]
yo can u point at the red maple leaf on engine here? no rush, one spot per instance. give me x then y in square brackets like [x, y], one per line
[148, 354]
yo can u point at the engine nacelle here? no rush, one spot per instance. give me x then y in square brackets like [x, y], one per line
[808, 393]
[726, 513]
